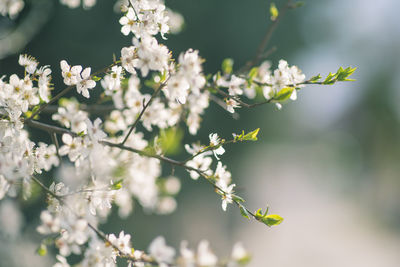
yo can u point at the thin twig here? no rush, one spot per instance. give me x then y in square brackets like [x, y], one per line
[267, 37]
[155, 93]
[92, 109]
[49, 128]
[55, 141]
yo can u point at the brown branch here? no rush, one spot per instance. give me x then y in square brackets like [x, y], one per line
[92, 109]
[48, 128]
[55, 141]
[267, 37]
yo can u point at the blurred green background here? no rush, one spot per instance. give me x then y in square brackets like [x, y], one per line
[328, 163]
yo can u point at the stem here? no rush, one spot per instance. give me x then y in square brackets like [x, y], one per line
[267, 37]
[209, 148]
[55, 141]
[92, 109]
[49, 128]
[244, 104]
[155, 93]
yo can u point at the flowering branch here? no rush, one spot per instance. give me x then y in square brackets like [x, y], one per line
[68, 89]
[267, 37]
[115, 162]
[237, 200]
[145, 106]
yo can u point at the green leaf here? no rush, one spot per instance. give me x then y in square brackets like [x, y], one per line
[237, 198]
[42, 250]
[343, 74]
[284, 94]
[244, 212]
[125, 83]
[117, 185]
[274, 12]
[252, 136]
[150, 83]
[253, 73]
[238, 137]
[63, 101]
[170, 140]
[272, 219]
[315, 78]
[245, 260]
[163, 76]
[95, 78]
[330, 79]
[227, 65]
[119, 171]
[259, 213]
[212, 90]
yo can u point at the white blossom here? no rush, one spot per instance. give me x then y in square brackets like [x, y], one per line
[160, 251]
[187, 258]
[62, 262]
[239, 253]
[226, 193]
[44, 82]
[175, 22]
[11, 7]
[231, 104]
[215, 141]
[85, 83]
[50, 223]
[205, 257]
[29, 63]
[166, 205]
[284, 76]
[71, 75]
[76, 3]
[46, 156]
[94, 131]
[122, 242]
[128, 22]
[72, 148]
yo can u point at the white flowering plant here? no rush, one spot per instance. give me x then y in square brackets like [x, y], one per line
[108, 161]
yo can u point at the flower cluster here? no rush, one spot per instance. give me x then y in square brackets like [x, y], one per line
[270, 83]
[73, 75]
[20, 157]
[145, 54]
[103, 165]
[284, 76]
[201, 162]
[144, 18]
